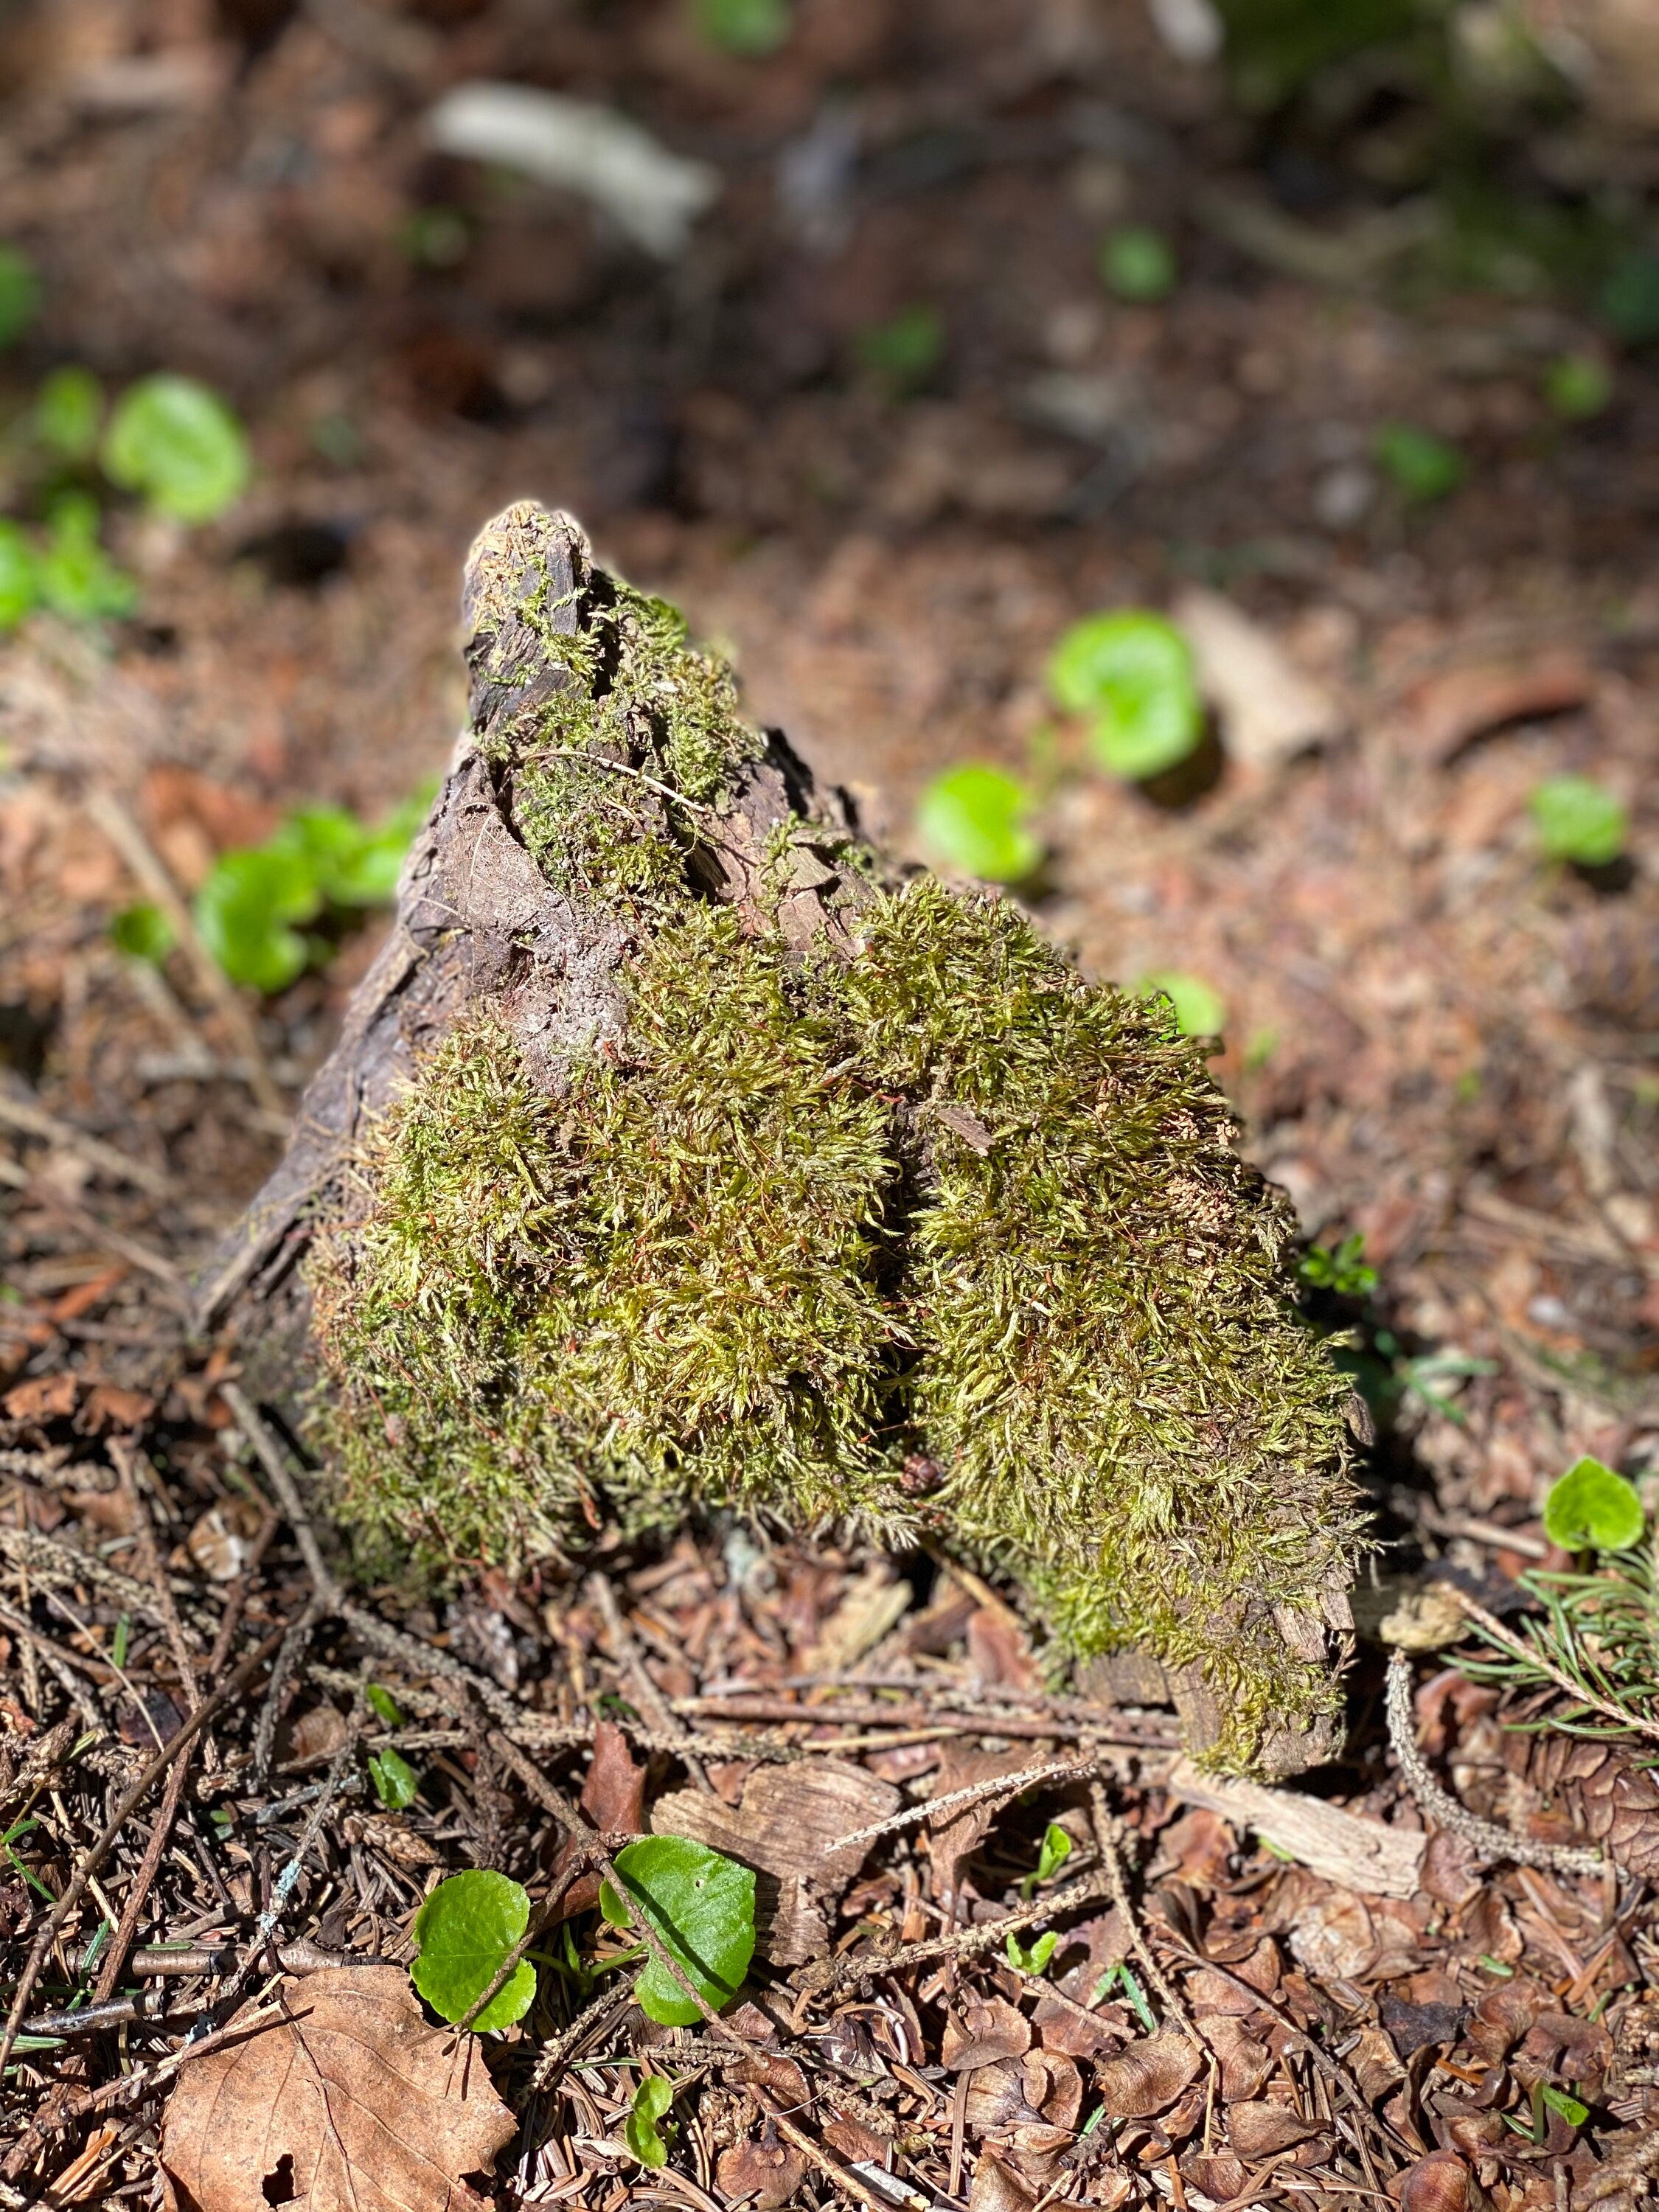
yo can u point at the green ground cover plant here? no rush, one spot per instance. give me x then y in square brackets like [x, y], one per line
[1580, 821]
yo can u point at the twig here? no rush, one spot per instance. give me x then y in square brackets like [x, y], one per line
[1109, 1834]
[92, 1858]
[827, 1978]
[1134, 1731]
[621, 768]
[560, 2050]
[138, 1894]
[270, 1457]
[34, 1121]
[1485, 1836]
[63, 1665]
[130, 842]
[550, 1799]
[62, 1566]
[650, 1698]
[1519, 1648]
[974, 1793]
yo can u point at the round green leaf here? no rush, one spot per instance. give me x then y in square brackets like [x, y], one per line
[1137, 263]
[245, 911]
[67, 410]
[702, 1906]
[641, 2130]
[19, 293]
[1578, 819]
[1578, 386]
[19, 574]
[753, 28]
[463, 1933]
[177, 443]
[1421, 467]
[1199, 1009]
[973, 818]
[142, 932]
[1132, 676]
[1592, 1509]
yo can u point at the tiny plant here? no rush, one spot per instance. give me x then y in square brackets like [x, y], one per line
[1592, 1508]
[753, 28]
[176, 442]
[643, 2131]
[1421, 467]
[973, 818]
[1200, 1009]
[463, 1935]
[395, 1782]
[1579, 820]
[702, 1908]
[1137, 263]
[1036, 1960]
[904, 351]
[19, 574]
[74, 575]
[68, 413]
[142, 932]
[1055, 1851]
[1130, 676]
[19, 293]
[381, 1703]
[1343, 1270]
[1578, 386]
[254, 906]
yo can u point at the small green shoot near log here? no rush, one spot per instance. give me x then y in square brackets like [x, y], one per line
[701, 1908]
[176, 442]
[68, 413]
[1592, 1509]
[1136, 264]
[1580, 821]
[1130, 677]
[20, 578]
[1343, 1270]
[381, 1703]
[463, 1935]
[1200, 1009]
[76, 577]
[972, 818]
[1034, 1960]
[753, 28]
[1422, 468]
[1056, 1849]
[643, 2131]
[395, 1782]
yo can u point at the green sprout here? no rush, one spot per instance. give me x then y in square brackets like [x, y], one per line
[19, 574]
[19, 293]
[1592, 1509]
[753, 28]
[973, 818]
[1343, 1270]
[643, 2131]
[1578, 386]
[1200, 1009]
[702, 1908]
[464, 1934]
[177, 443]
[383, 1705]
[76, 577]
[68, 413]
[395, 1782]
[1137, 263]
[1036, 1960]
[1056, 1849]
[904, 351]
[1580, 820]
[142, 932]
[1421, 467]
[1130, 675]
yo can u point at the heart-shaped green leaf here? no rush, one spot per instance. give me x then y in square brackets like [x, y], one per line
[642, 2130]
[702, 1906]
[462, 1932]
[177, 443]
[1200, 1011]
[1580, 820]
[245, 911]
[973, 818]
[1131, 677]
[1592, 1509]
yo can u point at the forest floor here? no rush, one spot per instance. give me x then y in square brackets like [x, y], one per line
[1434, 1040]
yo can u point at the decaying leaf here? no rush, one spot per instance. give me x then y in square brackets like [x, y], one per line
[350, 2101]
[1147, 2076]
[1438, 2183]
[1245, 2063]
[987, 2029]
[955, 1836]
[765, 2173]
[1258, 2128]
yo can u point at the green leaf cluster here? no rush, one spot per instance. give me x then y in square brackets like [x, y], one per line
[906, 350]
[253, 908]
[1130, 677]
[1343, 1270]
[643, 2131]
[1138, 264]
[464, 1934]
[65, 568]
[177, 442]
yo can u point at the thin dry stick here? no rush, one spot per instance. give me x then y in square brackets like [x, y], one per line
[272, 1458]
[621, 768]
[645, 1690]
[558, 2051]
[34, 1121]
[56, 1564]
[130, 842]
[1109, 1834]
[138, 1895]
[1485, 1836]
[827, 1978]
[1134, 1731]
[129, 1460]
[974, 1793]
[1518, 1648]
[92, 1859]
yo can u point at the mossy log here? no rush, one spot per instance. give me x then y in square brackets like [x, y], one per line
[681, 1153]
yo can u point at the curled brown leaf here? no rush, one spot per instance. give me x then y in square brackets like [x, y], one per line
[1147, 2076]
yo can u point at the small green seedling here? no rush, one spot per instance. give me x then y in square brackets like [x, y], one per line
[436, 237]
[701, 1908]
[1036, 1961]
[1343, 1271]
[142, 932]
[177, 443]
[1130, 675]
[905, 352]
[14, 1834]
[19, 574]
[643, 2131]
[19, 293]
[1579, 820]
[1574, 2113]
[1592, 1509]
[753, 28]
[463, 1935]
[1421, 467]
[1200, 1009]
[1630, 300]
[68, 413]
[75, 576]
[1137, 1996]
[973, 818]
[1137, 263]
[395, 1782]
[253, 909]
[1055, 1851]
[381, 1703]
[1578, 386]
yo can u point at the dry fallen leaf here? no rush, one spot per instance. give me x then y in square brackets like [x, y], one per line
[1257, 2130]
[766, 2173]
[1147, 2076]
[987, 2029]
[1438, 2183]
[1245, 2063]
[349, 2102]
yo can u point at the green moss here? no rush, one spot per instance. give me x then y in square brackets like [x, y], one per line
[817, 1215]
